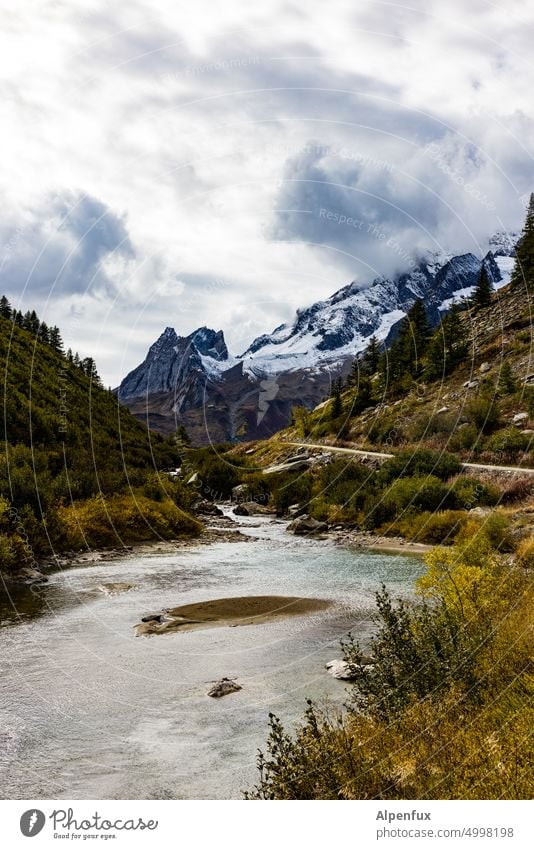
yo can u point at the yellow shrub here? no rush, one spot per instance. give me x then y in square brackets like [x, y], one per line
[119, 519]
[524, 555]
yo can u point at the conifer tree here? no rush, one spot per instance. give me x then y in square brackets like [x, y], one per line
[483, 291]
[371, 356]
[89, 367]
[43, 333]
[364, 396]
[407, 350]
[523, 273]
[507, 383]
[5, 307]
[448, 346]
[55, 340]
[30, 322]
[336, 407]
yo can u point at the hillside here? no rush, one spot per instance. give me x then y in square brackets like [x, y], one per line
[70, 450]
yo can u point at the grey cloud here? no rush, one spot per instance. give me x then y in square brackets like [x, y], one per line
[60, 247]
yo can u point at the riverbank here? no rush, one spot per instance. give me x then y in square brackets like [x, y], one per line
[220, 529]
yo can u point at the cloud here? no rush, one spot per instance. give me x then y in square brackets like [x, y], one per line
[71, 244]
[149, 153]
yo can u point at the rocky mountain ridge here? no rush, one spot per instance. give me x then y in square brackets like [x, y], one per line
[193, 380]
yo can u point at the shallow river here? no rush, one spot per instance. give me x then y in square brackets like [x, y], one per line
[88, 710]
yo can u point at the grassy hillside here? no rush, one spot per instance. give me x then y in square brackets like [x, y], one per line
[65, 441]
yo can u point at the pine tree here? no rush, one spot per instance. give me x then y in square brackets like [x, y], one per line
[30, 322]
[363, 398]
[5, 307]
[483, 291]
[88, 365]
[507, 383]
[55, 340]
[354, 374]
[43, 333]
[336, 407]
[371, 356]
[523, 273]
[409, 347]
[448, 346]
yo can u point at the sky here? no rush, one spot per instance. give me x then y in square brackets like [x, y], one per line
[222, 164]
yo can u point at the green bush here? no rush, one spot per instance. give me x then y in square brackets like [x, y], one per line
[467, 492]
[420, 462]
[483, 412]
[291, 488]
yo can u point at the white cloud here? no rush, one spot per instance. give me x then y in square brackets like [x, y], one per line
[184, 128]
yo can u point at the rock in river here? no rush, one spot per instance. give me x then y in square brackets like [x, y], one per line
[340, 669]
[223, 688]
[307, 525]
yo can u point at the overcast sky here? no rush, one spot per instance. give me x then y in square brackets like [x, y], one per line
[186, 163]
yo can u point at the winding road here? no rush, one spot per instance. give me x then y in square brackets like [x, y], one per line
[377, 455]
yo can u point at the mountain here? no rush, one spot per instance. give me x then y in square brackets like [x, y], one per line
[193, 380]
[330, 331]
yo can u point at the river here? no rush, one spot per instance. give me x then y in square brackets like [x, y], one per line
[89, 710]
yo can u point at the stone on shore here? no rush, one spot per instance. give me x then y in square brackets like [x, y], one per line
[223, 688]
[340, 669]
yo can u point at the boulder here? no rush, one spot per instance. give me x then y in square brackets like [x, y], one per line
[442, 410]
[307, 525]
[519, 418]
[223, 688]
[117, 587]
[252, 508]
[470, 384]
[296, 466]
[297, 458]
[152, 617]
[484, 368]
[340, 669]
[241, 492]
[207, 508]
[296, 510]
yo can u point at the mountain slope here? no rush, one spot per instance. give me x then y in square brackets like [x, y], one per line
[193, 380]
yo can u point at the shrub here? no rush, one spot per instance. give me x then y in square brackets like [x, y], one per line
[102, 522]
[468, 492]
[483, 412]
[432, 528]
[420, 462]
[524, 555]
[509, 442]
[291, 488]
[492, 530]
[466, 437]
[444, 712]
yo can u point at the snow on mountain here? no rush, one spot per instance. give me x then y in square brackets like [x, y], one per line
[503, 243]
[329, 331]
